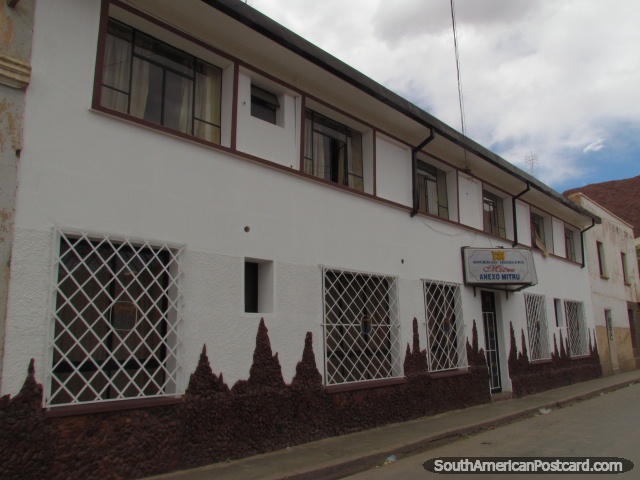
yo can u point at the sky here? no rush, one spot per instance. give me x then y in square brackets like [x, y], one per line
[553, 80]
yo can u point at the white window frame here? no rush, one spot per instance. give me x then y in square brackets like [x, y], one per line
[96, 354]
[445, 326]
[360, 324]
[537, 329]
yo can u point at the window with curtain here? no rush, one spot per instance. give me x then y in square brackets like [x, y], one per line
[493, 214]
[150, 80]
[569, 244]
[538, 238]
[333, 151]
[432, 190]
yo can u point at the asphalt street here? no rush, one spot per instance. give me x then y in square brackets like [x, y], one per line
[605, 426]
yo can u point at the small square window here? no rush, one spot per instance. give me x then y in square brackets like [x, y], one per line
[258, 286]
[264, 105]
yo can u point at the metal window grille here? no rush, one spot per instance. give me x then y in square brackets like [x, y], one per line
[537, 326]
[445, 326]
[115, 322]
[361, 330]
[576, 328]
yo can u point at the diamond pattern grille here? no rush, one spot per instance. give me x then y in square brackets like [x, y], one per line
[445, 326]
[576, 328]
[115, 325]
[537, 326]
[361, 331]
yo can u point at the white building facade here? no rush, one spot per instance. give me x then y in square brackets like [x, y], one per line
[190, 168]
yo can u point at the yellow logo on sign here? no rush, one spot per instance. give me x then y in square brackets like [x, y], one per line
[498, 255]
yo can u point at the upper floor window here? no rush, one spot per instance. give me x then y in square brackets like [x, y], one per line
[602, 264]
[432, 190]
[264, 104]
[493, 215]
[537, 232]
[625, 271]
[333, 151]
[569, 244]
[150, 80]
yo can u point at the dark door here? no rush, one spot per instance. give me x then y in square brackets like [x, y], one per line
[491, 340]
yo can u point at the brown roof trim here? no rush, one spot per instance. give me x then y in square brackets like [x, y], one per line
[262, 24]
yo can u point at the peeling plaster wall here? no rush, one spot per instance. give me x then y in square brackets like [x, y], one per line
[16, 28]
[610, 292]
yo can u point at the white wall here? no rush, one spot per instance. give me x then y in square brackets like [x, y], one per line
[470, 199]
[276, 143]
[90, 171]
[393, 171]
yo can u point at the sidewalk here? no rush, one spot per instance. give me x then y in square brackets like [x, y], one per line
[338, 457]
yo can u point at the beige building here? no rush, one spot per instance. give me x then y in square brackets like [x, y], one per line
[613, 272]
[16, 27]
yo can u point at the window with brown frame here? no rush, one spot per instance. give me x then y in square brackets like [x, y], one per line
[152, 81]
[493, 214]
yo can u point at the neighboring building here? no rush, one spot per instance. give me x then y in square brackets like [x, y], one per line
[613, 272]
[15, 52]
[620, 197]
[194, 174]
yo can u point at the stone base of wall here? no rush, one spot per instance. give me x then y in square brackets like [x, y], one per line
[213, 423]
[528, 377]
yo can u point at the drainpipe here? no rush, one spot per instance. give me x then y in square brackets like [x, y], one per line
[414, 166]
[593, 224]
[513, 212]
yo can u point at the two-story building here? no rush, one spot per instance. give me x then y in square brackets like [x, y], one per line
[193, 174]
[613, 272]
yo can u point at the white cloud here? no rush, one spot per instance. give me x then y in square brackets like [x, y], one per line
[542, 76]
[594, 146]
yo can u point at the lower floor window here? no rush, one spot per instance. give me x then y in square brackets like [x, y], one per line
[115, 324]
[361, 331]
[445, 326]
[576, 328]
[537, 326]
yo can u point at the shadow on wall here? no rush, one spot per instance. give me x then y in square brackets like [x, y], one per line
[561, 369]
[213, 423]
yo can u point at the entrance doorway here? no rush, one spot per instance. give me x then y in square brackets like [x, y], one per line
[491, 340]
